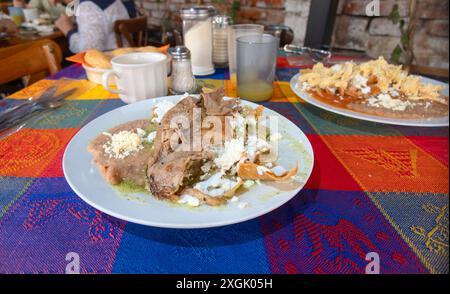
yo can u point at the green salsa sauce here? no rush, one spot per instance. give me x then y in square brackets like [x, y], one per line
[126, 187]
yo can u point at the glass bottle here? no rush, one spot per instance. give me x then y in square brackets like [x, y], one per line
[220, 40]
[197, 33]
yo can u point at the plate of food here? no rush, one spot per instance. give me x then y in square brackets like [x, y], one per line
[188, 161]
[375, 91]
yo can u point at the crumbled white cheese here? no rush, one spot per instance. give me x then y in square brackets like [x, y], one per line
[234, 199]
[366, 90]
[123, 144]
[305, 86]
[394, 93]
[386, 101]
[261, 169]
[242, 205]
[332, 90]
[255, 145]
[231, 153]
[360, 82]
[279, 171]
[140, 132]
[206, 166]
[238, 123]
[215, 185]
[336, 68]
[248, 183]
[189, 200]
[160, 109]
[151, 137]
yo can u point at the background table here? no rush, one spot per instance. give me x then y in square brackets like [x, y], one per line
[21, 38]
[374, 188]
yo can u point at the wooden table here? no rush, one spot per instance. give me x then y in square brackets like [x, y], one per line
[19, 39]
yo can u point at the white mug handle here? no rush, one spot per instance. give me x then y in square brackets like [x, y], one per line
[105, 80]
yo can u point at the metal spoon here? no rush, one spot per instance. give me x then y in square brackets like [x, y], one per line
[317, 55]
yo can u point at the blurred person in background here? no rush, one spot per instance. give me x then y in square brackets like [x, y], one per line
[53, 7]
[94, 27]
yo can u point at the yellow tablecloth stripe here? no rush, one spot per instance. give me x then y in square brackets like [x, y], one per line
[87, 90]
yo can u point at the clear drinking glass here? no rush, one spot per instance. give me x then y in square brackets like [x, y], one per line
[256, 65]
[16, 13]
[234, 32]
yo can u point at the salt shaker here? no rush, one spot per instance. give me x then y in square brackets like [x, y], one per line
[220, 40]
[197, 32]
[182, 79]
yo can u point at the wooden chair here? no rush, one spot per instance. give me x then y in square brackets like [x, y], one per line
[177, 38]
[134, 30]
[4, 6]
[34, 60]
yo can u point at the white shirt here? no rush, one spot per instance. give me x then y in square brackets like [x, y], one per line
[96, 26]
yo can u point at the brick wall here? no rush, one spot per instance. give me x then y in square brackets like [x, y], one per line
[379, 36]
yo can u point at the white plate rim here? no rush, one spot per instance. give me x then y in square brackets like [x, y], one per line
[368, 117]
[120, 216]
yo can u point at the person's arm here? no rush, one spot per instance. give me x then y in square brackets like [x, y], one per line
[131, 8]
[90, 32]
[35, 4]
[19, 3]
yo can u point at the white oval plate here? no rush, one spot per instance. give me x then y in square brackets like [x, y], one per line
[432, 122]
[84, 178]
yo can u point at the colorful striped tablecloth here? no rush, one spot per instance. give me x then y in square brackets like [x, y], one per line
[374, 188]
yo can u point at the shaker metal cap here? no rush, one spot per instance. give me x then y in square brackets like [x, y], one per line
[197, 11]
[180, 52]
[223, 20]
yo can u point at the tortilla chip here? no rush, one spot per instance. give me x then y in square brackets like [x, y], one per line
[249, 171]
[213, 201]
[97, 59]
[210, 200]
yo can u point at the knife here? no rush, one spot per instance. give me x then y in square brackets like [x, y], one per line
[20, 114]
[50, 92]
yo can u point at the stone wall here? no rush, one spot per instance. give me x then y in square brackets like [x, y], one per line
[293, 13]
[353, 28]
[379, 36]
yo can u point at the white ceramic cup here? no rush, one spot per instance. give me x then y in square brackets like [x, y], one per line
[30, 14]
[138, 76]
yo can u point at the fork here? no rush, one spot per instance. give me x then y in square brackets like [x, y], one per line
[23, 111]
